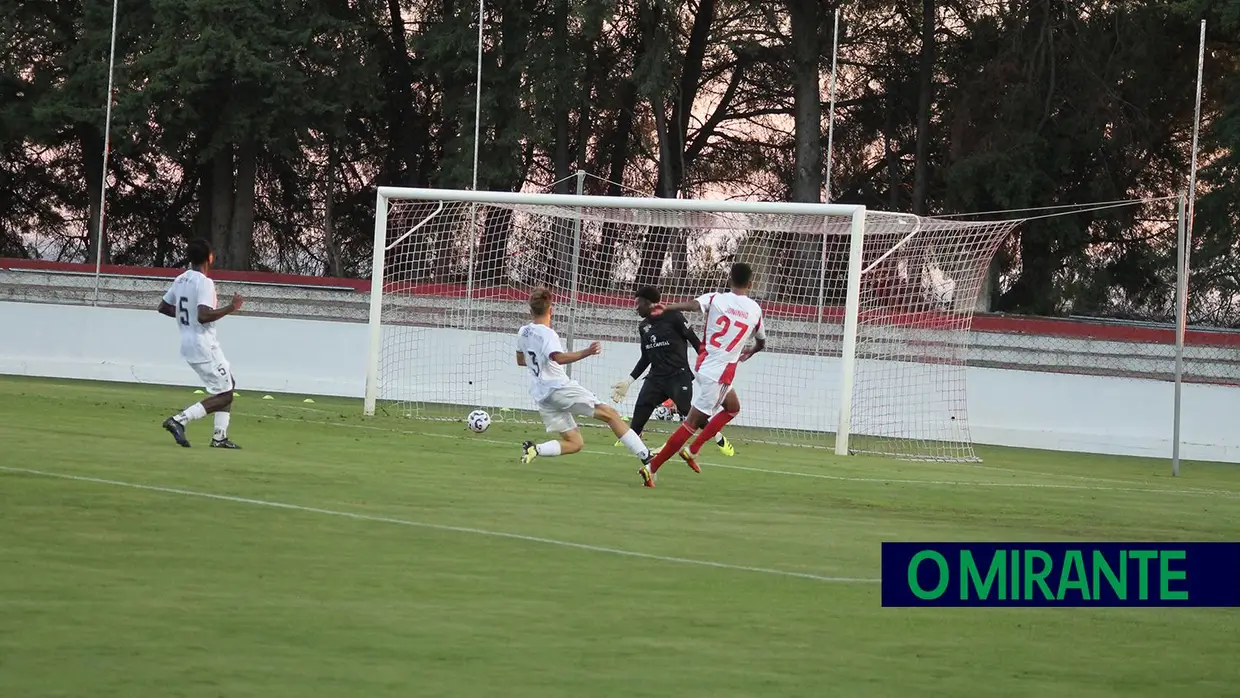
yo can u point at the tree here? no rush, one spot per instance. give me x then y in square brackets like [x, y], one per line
[266, 128]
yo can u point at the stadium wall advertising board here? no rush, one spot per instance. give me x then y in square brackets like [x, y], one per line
[1069, 412]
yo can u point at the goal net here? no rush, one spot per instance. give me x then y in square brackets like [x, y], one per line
[867, 314]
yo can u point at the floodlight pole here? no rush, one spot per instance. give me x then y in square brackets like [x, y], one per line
[1187, 211]
[1181, 321]
[835, 53]
[107, 146]
[822, 262]
[473, 208]
[1192, 172]
[576, 266]
[478, 93]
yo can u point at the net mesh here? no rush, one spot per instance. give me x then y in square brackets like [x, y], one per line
[456, 277]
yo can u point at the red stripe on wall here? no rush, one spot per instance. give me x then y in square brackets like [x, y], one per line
[982, 322]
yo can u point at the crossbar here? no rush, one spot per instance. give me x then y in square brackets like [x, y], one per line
[645, 203]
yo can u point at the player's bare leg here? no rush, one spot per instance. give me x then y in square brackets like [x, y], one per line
[216, 404]
[223, 415]
[683, 407]
[641, 415]
[631, 439]
[675, 445]
[731, 408]
[569, 443]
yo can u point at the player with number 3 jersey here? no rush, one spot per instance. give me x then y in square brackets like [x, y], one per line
[560, 399]
[732, 319]
[191, 301]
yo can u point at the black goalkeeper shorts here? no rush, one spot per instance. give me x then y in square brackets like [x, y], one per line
[678, 388]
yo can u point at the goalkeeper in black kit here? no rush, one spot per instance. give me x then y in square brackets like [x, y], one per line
[665, 341]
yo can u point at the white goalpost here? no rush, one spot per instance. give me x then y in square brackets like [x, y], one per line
[867, 314]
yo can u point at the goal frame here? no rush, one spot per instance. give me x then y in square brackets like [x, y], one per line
[852, 301]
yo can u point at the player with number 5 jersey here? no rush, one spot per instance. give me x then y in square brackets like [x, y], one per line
[191, 301]
[732, 319]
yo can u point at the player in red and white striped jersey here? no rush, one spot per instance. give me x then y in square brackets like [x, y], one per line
[732, 318]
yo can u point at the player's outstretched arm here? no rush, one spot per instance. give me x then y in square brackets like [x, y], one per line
[689, 335]
[565, 358]
[682, 307]
[207, 314]
[166, 308]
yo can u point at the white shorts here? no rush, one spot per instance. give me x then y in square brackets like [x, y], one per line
[708, 394]
[216, 374]
[558, 408]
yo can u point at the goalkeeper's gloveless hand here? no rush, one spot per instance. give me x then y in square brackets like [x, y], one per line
[619, 390]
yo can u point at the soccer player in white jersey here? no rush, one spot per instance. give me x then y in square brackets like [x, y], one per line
[558, 397]
[732, 318]
[191, 301]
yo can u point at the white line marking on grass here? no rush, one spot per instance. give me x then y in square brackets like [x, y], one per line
[1065, 476]
[440, 527]
[979, 466]
[1189, 492]
[973, 483]
[1194, 492]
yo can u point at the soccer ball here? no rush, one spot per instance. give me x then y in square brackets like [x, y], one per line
[478, 421]
[662, 414]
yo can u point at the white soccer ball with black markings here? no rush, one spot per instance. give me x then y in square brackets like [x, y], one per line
[478, 421]
[662, 414]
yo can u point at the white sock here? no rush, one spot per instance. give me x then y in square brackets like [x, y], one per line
[551, 448]
[221, 425]
[633, 442]
[194, 411]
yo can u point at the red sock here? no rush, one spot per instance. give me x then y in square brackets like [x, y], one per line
[714, 426]
[672, 447]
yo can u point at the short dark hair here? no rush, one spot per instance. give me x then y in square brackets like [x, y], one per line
[740, 275]
[540, 301]
[649, 293]
[198, 251]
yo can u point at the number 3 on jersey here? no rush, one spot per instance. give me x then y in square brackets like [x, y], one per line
[534, 362]
[726, 326]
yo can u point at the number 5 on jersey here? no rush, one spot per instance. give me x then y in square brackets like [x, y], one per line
[725, 334]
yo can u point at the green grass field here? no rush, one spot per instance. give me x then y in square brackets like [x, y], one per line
[338, 556]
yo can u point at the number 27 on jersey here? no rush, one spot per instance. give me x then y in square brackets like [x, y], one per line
[730, 331]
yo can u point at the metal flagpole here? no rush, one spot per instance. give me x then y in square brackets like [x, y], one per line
[822, 270]
[1185, 263]
[473, 208]
[478, 93]
[107, 143]
[576, 266]
[1192, 172]
[1181, 307]
[835, 53]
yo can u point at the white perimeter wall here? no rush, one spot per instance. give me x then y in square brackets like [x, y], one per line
[1012, 408]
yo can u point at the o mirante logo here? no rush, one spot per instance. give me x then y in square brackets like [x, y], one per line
[1061, 574]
